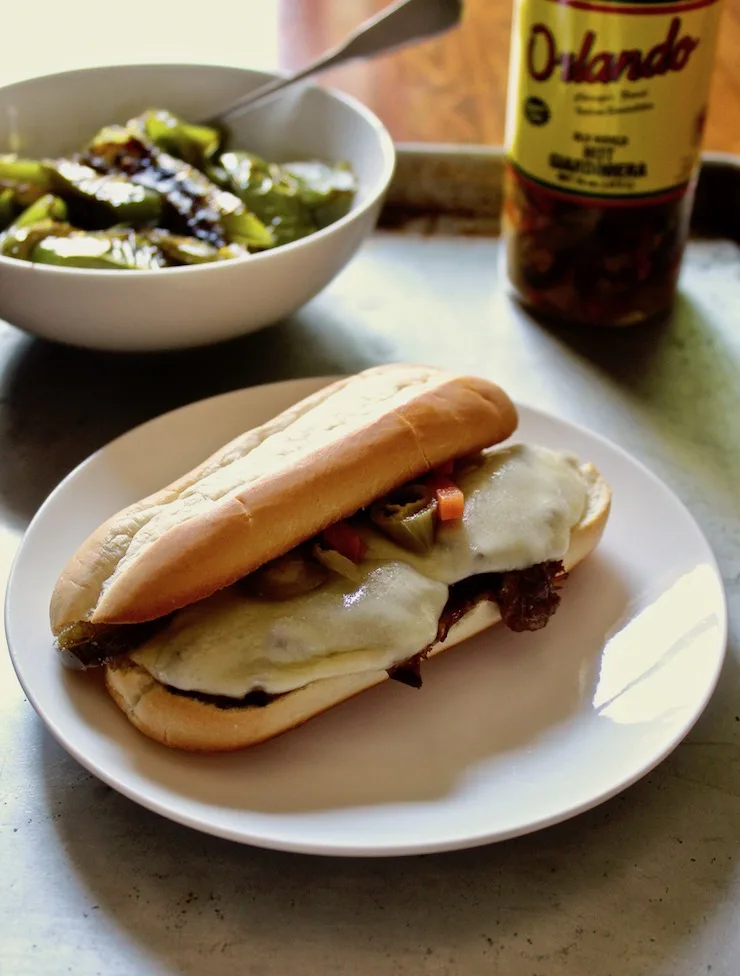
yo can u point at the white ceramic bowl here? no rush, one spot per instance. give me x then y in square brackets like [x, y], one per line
[188, 306]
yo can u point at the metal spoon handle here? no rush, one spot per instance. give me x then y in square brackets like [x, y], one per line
[393, 27]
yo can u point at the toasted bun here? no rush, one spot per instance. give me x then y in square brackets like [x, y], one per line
[186, 723]
[340, 449]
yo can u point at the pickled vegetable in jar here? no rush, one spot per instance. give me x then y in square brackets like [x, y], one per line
[606, 108]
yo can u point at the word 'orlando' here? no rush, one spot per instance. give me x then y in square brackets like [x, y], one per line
[670, 54]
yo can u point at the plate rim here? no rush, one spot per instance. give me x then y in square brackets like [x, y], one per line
[304, 385]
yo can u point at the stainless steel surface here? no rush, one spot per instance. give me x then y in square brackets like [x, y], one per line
[396, 25]
[646, 885]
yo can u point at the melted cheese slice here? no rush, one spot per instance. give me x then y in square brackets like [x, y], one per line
[230, 644]
[520, 506]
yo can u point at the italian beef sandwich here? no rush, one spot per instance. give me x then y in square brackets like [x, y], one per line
[359, 533]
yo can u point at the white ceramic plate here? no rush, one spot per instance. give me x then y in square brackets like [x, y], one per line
[510, 733]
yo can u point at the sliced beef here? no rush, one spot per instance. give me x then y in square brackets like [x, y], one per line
[527, 598]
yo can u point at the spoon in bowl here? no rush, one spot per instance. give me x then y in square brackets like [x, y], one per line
[396, 25]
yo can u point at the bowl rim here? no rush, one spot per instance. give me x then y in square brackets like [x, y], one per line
[375, 191]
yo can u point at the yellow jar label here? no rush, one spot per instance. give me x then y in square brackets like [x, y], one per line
[608, 99]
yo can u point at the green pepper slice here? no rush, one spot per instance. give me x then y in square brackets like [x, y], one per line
[184, 250]
[45, 216]
[230, 251]
[242, 227]
[269, 193]
[286, 577]
[26, 177]
[121, 200]
[326, 191]
[7, 208]
[24, 241]
[190, 250]
[195, 144]
[407, 516]
[118, 252]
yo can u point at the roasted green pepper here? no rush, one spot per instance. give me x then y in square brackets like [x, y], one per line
[287, 576]
[200, 208]
[269, 193]
[47, 207]
[7, 208]
[233, 251]
[167, 182]
[108, 143]
[116, 198]
[242, 227]
[326, 191]
[113, 252]
[407, 516]
[183, 250]
[45, 216]
[22, 243]
[189, 250]
[26, 177]
[195, 144]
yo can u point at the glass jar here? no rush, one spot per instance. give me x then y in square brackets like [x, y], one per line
[605, 116]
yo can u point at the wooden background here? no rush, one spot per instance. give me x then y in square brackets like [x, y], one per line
[453, 89]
